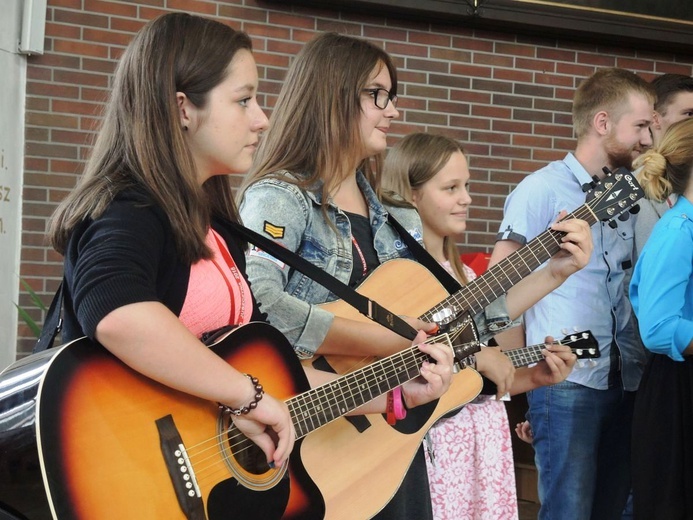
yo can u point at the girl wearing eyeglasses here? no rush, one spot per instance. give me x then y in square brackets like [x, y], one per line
[315, 189]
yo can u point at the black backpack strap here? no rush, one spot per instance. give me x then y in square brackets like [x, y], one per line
[424, 258]
[53, 322]
[365, 306]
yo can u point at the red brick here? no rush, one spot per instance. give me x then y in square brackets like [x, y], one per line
[471, 70]
[75, 107]
[481, 58]
[515, 49]
[83, 19]
[58, 30]
[469, 122]
[674, 68]
[544, 53]
[107, 36]
[236, 13]
[473, 44]
[406, 49]
[427, 118]
[193, 6]
[110, 8]
[126, 24]
[451, 55]
[635, 65]
[52, 120]
[386, 33]
[431, 39]
[80, 78]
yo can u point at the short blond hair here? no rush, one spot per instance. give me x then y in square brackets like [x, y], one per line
[608, 90]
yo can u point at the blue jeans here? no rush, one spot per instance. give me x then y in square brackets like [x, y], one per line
[582, 450]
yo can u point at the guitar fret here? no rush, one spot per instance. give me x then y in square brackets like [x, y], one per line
[321, 405]
[496, 281]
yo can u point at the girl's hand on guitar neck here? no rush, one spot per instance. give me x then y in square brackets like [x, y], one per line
[270, 427]
[435, 377]
[496, 366]
[558, 362]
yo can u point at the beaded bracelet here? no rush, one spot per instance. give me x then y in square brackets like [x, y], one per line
[259, 392]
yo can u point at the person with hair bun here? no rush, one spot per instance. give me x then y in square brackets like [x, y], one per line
[661, 292]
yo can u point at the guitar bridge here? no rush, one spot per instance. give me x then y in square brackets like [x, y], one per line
[180, 470]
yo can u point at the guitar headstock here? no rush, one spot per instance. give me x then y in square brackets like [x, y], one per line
[464, 338]
[583, 344]
[613, 195]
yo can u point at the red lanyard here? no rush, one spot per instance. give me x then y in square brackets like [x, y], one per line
[360, 253]
[238, 279]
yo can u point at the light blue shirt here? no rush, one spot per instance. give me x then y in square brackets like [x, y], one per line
[593, 298]
[662, 289]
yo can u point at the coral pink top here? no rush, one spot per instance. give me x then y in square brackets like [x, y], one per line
[206, 307]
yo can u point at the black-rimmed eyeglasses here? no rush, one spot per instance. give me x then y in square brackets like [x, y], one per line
[381, 97]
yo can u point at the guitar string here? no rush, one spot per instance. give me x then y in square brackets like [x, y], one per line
[585, 212]
[238, 443]
[550, 237]
[388, 369]
[473, 302]
[553, 236]
[216, 441]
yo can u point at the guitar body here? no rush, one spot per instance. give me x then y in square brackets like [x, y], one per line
[403, 287]
[358, 472]
[100, 448]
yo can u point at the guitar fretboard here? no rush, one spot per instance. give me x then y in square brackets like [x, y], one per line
[496, 281]
[317, 407]
[521, 357]
[323, 404]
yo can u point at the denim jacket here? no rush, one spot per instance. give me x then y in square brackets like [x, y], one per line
[293, 217]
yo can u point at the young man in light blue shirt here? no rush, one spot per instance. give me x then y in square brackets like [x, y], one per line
[582, 427]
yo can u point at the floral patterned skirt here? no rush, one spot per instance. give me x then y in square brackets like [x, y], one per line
[472, 476]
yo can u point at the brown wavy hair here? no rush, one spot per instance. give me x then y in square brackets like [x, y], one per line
[314, 127]
[140, 142]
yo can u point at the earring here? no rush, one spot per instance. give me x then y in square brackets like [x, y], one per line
[185, 128]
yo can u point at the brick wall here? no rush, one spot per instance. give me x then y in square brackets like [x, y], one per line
[507, 97]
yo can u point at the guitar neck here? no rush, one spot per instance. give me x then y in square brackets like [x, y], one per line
[312, 409]
[523, 356]
[496, 281]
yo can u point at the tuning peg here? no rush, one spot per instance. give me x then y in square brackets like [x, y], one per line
[564, 331]
[613, 224]
[588, 186]
[606, 171]
[624, 216]
[592, 363]
[635, 209]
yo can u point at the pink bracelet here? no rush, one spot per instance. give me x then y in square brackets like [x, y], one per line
[398, 404]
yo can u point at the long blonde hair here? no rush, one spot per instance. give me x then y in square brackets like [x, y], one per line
[314, 127]
[141, 143]
[412, 162]
[666, 168]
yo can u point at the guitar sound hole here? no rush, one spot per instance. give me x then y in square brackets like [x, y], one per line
[246, 453]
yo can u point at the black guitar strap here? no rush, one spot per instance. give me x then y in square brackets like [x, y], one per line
[53, 322]
[369, 308]
[424, 258]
